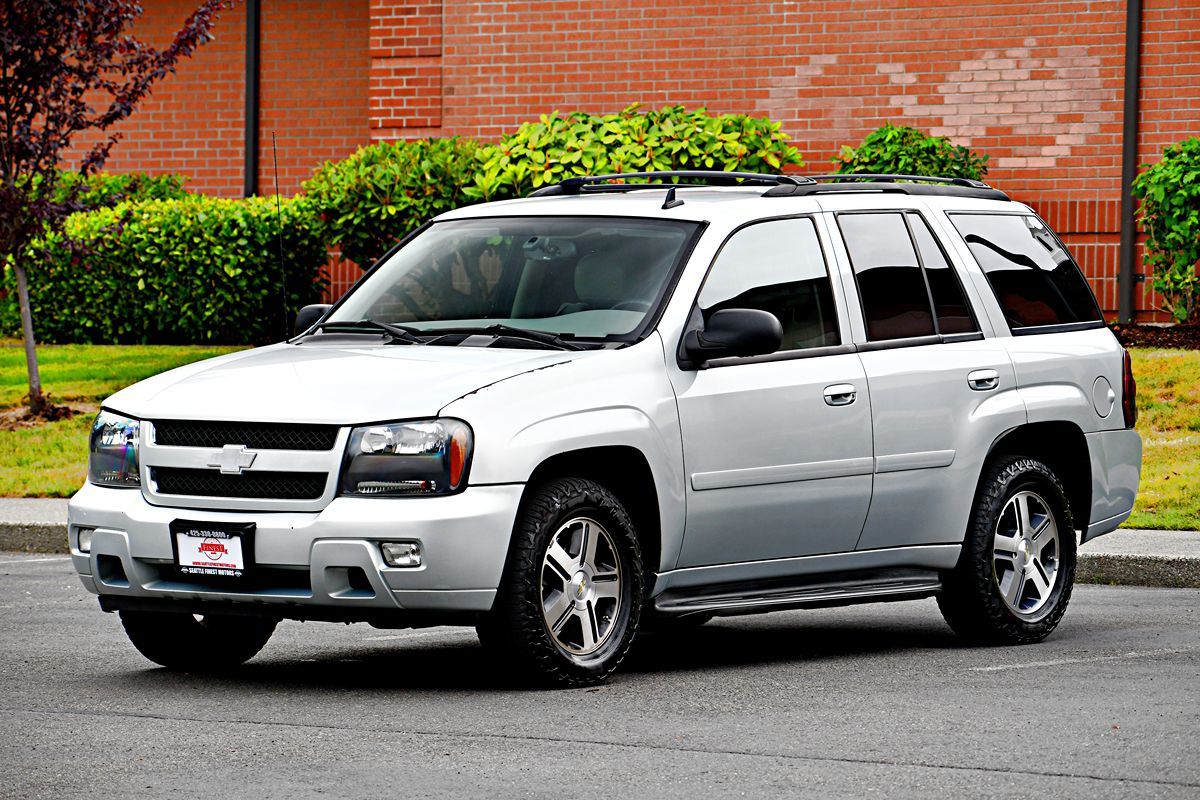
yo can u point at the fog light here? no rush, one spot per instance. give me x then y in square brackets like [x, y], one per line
[401, 554]
[85, 539]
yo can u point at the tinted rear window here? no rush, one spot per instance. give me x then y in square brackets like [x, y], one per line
[894, 298]
[1034, 277]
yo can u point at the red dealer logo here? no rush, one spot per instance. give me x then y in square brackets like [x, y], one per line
[213, 549]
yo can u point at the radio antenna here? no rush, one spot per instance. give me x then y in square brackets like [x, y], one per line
[279, 228]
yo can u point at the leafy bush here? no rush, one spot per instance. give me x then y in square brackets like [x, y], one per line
[908, 151]
[101, 189]
[196, 270]
[373, 198]
[557, 147]
[370, 200]
[87, 193]
[1170, 214]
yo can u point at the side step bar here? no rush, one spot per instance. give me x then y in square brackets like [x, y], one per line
[752, 599]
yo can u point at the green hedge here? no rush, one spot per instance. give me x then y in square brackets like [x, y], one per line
[1170, 214]
[195, 270]
[369, 201]
[908, 151]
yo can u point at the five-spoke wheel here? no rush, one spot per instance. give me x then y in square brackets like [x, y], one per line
[1026, 552]
[581, 586]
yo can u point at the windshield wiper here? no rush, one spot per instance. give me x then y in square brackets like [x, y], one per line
[542, 337]
[398, 333]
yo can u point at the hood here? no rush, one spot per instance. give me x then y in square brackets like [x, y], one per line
[336, 383]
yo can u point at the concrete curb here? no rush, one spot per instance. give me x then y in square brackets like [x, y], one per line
[1124, 570]
[1176, 572]
[33, 537]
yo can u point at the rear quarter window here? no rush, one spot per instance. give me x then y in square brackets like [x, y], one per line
[1033, 276]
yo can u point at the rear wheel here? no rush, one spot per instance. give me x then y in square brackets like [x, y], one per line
[571, 597]
[1014, 579]
[196, 644]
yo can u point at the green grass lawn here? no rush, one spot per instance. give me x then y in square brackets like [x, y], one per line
[51, 460]
[86, 373]
[1169, 401]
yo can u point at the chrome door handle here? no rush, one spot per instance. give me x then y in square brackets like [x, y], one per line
[840, 394]
[982, 380]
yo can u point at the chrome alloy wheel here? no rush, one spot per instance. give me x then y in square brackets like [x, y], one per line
[1026, 553]
[581, 586]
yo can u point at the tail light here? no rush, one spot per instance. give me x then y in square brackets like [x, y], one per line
[1128, 392]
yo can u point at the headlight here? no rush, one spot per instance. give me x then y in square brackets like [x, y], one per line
[407, 458]
[113, 454]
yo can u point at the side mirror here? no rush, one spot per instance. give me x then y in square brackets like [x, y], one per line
[734, 332]
[309, 316]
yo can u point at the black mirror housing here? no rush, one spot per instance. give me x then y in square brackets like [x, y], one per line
[309, 316]
[734, 332]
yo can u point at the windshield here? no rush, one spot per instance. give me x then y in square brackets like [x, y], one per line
[584, 277]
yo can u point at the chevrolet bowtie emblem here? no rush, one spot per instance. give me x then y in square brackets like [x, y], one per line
[232, 459]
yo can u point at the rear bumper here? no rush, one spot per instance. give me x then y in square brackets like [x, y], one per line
[308, 560]
[1116, 470]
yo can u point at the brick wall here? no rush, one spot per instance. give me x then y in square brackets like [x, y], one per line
[1037, 86]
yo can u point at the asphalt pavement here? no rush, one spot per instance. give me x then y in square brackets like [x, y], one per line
[867, 701]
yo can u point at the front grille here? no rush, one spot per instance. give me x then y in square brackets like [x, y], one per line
[257, 485]
[255, 435]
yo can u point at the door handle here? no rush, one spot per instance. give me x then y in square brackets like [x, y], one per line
[840, 394]
[983, 380]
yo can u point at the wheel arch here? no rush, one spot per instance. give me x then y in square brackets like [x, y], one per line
[1060, 445]
[623, 470]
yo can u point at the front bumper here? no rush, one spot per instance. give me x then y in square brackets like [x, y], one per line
[309, 558]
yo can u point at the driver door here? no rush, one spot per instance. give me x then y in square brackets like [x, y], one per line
[777, 448]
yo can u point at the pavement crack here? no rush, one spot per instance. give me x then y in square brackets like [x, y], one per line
[712, 751]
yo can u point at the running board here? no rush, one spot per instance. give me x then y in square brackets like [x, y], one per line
[751, 599]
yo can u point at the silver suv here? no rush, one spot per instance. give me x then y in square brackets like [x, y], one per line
[613, 405]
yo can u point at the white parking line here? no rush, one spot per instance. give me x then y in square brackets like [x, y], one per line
[412, 635]
[35, 560]
[1166, 651]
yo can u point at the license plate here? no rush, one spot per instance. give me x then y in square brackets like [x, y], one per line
[212, 549]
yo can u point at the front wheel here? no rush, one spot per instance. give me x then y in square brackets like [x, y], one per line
[190, 644]
[571, 596]
[1014, 578]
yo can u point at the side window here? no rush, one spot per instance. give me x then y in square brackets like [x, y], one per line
[1034, 278]
[949, 303]
[893, 292]
[776, 266]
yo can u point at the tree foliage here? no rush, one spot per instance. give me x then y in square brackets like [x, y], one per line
[1170, 213]
[68, 66]
[908, 151]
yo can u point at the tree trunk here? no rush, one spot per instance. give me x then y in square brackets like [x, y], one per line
[37, 400]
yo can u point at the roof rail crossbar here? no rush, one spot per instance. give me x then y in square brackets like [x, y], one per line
[700, 177]
[885, 176]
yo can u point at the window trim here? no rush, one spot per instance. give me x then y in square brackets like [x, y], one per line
[949, 265]
[1030, 330]
[686, 364]
[937, 328]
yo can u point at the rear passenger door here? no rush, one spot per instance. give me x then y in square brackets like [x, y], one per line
[940, 391]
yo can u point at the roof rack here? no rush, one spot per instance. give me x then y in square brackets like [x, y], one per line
[895, 178]
[891, 184]
[778, 185]
[698, 177]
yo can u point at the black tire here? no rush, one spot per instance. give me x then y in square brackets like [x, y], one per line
[971, 599]
[181, 642]
[516, 629]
